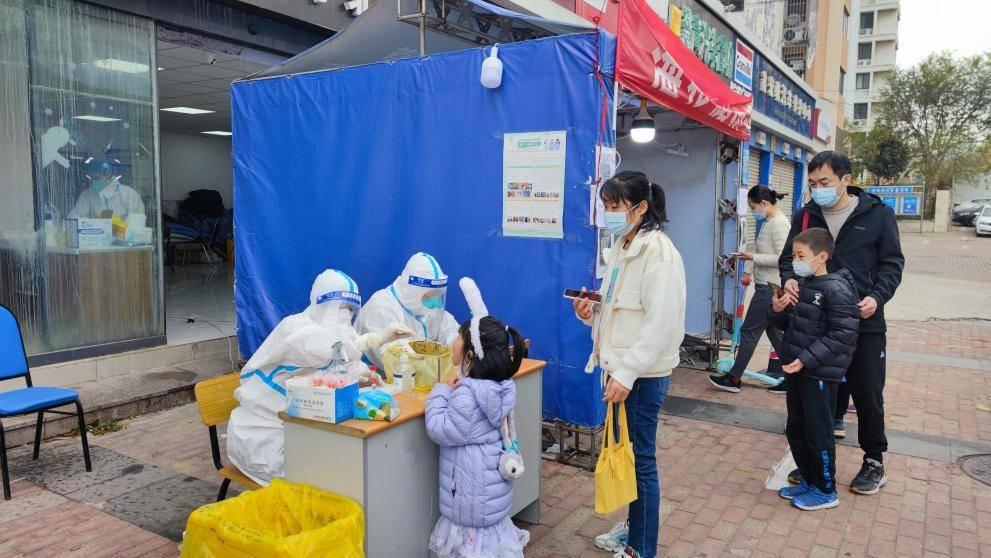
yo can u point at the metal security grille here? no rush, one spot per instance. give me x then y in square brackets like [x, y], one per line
[783, 181]
[754, 180]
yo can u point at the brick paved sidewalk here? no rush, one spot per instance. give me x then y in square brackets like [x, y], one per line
[713, 475]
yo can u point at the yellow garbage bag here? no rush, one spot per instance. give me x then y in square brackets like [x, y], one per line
[282, 520]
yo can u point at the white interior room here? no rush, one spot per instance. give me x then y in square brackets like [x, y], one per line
[195, 147]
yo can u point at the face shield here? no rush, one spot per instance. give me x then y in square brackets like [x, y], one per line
[434, 291]
[346, 300]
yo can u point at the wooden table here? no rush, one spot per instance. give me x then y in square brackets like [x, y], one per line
[391, 468]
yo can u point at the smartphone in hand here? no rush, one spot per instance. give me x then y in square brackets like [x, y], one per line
[586, 295]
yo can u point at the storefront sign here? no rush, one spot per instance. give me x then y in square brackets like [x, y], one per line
[651, 61]
[712, 47]
[910, 205]
[823, 123]
[781, 99]
[743, 73]
[890, 201]
[890, 189]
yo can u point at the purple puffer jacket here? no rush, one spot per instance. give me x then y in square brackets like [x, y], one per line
[465, 423]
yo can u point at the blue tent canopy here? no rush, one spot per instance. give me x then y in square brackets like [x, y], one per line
[357, 168]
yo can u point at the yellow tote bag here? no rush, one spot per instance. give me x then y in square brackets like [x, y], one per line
[615, 472]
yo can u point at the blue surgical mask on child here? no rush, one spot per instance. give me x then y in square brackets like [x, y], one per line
[616, 222]
[804, 269]
[825, 197]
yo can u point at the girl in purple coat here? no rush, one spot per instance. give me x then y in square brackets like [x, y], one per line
[464, 417]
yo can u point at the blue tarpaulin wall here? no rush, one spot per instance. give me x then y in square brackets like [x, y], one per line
[358, 168]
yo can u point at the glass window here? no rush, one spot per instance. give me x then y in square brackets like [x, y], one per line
[79, 249]
[863, 81]
[865, 51]
[842, 80]
[860, 111]
[846, 22]
[866, 20]
[986, 212]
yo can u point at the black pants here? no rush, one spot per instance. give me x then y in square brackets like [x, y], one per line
[754, 325]
[811, 406]
[865, 384]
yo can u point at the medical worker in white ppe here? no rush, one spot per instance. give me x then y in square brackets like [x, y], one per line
[300, 345]
[416, 298]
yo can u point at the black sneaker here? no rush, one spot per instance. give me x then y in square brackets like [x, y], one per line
[795, 477]
[870, 479]
[779, 389]
[839, 429]
[725, 382]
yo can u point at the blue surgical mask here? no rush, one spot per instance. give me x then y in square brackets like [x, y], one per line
[825, 197]
[758, 215]
[803, 269]
[616, 222]
[433, 303]
[98, 184]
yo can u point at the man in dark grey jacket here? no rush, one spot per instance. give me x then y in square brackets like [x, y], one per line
[868, 246]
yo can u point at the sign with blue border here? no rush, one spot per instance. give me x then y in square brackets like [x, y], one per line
[910, 205]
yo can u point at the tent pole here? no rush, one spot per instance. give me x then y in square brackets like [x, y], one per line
[423, 27]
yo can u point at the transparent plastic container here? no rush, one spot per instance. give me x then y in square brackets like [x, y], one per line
[431, 362]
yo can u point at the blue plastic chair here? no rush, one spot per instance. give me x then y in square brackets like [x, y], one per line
[25, 401]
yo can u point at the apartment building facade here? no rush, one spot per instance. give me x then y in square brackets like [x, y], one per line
[875, 47]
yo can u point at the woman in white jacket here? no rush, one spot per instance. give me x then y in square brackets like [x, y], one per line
[637, 331]
[771, 240]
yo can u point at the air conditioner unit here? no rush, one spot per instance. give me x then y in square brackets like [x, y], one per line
[867, 31]
[865, 62]
[797, 65]
[794, 35]
[859, 122]
[793, 20]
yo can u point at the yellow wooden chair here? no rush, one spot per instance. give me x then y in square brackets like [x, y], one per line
[215, 399]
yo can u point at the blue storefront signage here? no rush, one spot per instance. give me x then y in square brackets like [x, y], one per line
[879, 190]
[778, 97]
[910, 205]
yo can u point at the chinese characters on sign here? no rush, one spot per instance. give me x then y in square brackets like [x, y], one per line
[533, 184]
[715, 50]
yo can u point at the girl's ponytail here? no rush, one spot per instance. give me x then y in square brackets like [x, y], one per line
[518, 344]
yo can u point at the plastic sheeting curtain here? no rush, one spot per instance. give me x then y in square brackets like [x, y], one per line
[78, 83]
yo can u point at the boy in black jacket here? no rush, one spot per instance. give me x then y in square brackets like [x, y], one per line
[820, 337]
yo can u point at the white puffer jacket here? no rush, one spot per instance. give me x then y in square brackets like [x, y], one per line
[640, 325]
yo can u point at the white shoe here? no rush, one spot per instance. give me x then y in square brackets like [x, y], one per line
[615, 540]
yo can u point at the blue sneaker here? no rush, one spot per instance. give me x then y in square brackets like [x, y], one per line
[816, 499]
[790, 492]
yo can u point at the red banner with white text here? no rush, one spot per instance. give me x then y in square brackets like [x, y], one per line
[652, 61]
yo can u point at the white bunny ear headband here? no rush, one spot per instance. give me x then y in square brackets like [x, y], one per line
[478, 311]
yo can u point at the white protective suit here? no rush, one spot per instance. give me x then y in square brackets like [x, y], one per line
[299, 346]
[403, 302]
[121, 199]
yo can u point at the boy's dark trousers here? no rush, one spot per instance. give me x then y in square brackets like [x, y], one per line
[811, 407]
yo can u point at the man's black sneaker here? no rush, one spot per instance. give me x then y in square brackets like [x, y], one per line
[779, 389]
[839, 428]
[870, 479]
[725, 382]
[795, 477]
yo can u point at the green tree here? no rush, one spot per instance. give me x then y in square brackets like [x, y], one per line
[942, 109]
[882, 152]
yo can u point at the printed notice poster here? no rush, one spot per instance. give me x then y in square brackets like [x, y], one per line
[533, 184]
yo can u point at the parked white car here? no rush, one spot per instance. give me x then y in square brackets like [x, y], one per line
[965, 213]
[982, 222]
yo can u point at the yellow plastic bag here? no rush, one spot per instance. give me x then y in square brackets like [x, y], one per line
[282, 520]
[615, 472]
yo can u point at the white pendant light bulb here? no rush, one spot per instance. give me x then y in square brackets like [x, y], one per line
[492, 69]
[642, 130]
